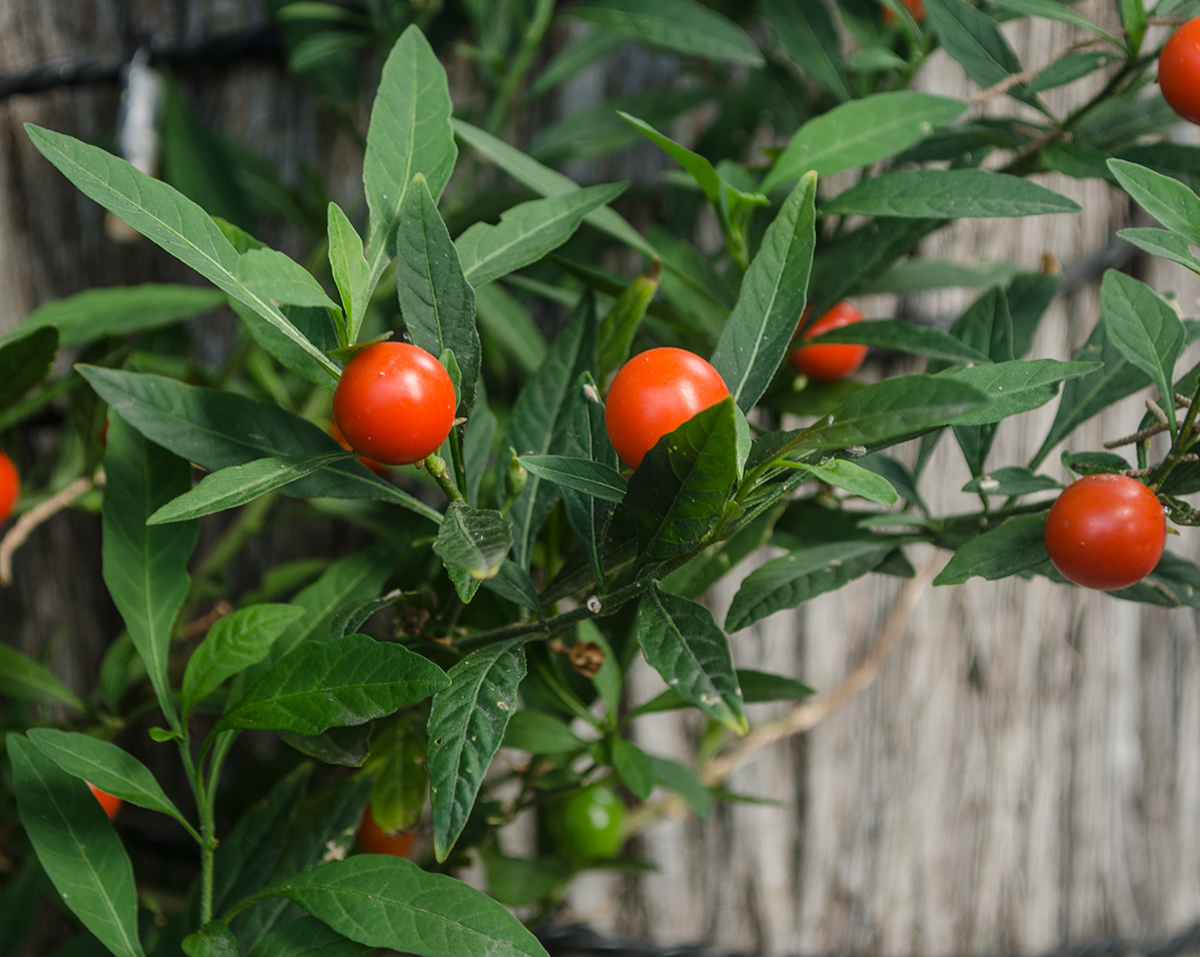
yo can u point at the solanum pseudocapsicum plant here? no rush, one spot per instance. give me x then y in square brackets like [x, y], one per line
[530, 567]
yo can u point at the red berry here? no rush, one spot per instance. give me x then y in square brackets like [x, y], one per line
[831, 362]
[373, 840]
[1179, 71]
[110, 804]
[10, 486]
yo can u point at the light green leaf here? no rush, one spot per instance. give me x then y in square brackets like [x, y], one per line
[676, 25]
[350, 270]
[844, 474]
[583, 475]
[272, 275]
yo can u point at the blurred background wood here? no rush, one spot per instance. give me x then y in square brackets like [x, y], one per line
[1024, 773]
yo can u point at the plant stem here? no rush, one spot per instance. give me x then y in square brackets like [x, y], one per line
[436, 466]
[520, 64]
[1181, 444]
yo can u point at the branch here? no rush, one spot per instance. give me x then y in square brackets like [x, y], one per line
[25, 525]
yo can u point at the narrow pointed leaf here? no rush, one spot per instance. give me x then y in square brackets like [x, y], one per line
[23, 678]
[409, 132]
[683, 643]
[390, 902]
[903, 337]
[676, 25]
[334, 684]
[974, 39]
[466, 728]
[1007, 549]
[861, 132]
[349, 266]
[1016, 386]
[309, 937]
[1145, 329]
[272, 275]
[233, 643]
[774, 291]
[810, 39]
[437, 302]
[1164, 243]
[795, 578]
[164, 216]
[238, 484]
[145, 567]
[528, 232]
[583, 475]
[107, 766]
[217, 429]
[1163, 197]
[473, 541]
[948, 194]
[634, 767]
[25, 362]
[77, 847]
[844, 474]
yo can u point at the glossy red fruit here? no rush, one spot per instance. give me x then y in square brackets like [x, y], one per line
[110, 804]
[1179, 71]
[394, 403]
[380, 470]
[915, 7]
[373, 839]
[655, 393]
[831, 362]
[10, 486]
[1106, 532]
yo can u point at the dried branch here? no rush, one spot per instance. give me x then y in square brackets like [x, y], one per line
[25, 525]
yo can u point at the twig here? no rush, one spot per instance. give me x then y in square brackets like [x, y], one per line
[998, 89]
[1153, 408]
[204, 622]
[1137, 437]
[25, 525]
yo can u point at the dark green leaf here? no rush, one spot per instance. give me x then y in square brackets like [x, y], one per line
[349, 267]
[390, 902]
[272, 275]
[675, 25]
[285, 350]
[23, 678]
[947, 194]
[683, 780]
[1163, 243]
[214, 939]
[1163, 197]
[475, 541]
[917, 275]
[25, 362]
[1145, 329]
[409, 133]
[587, 441]
[1050, 10]
[145, 567]
[707, 568]
[860, 133]
[519, 881]
[115, 311]
[683, 643]
[400, 780]
[634, 766]
[679, 490]
[233, 643]
[466, 728]
[1011, 480]
[333, 684]
[904, 337]
[1093, 463]
[1029, 296]
[583, 475]
[1005, 550]
[972, 38]
[759, 687]
[808, 35]
[1069, 68]
[795, 578]
[844, 265]
[540, 733]
[308, 937]
[105, 765]
[345, 746]
[77, 847]
[1175, 581]
[218, 429]
[513, 582]
[774, 290]
[620, 324]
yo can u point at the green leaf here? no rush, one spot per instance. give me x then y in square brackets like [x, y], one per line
[164, 216]
[888, 411]
[510, 326]
[1145, 329]
[972, 38]
[145, 567]
[860, 133]
[475, 541]
[247, 855]
[676, 25]
[634, 766]
[595, 45]
[1016, 386]
[844, 265]
[272, 275]
[1163, 197]
[238, 484]
[25, 679]
[1050, 10]
[620, 324]
[409, 133]
[513, 582]
[800, 575]
[477, 444]
[1175, 581]
[771, 301]
[904, 337]
[350, 270]
[390, 902]
[540, 420]
[587, 442]
[808, 35]
[110, 768]
[844, 474]
[683, 780]
[1011, 480]
[700, 169]
[466, 728]
[547, 182]
[348, 747]
[679, 491]
[77, 847]
[233, 643]
[917, 275]
[334, 684]
[401, 781]
[520, 881]
[308, 937]
[1163, 243]
[760, 686]
[214, 939]
[947, 194]
[115, 311]
[25, 362]
[527, 232]
[437, 302]
[540, 733]
[711, 565]
[1068, 69]
[1007, 549]
[583, 475]
[217, 429]
[313, 323]
[1084, 397]
[681, 641]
